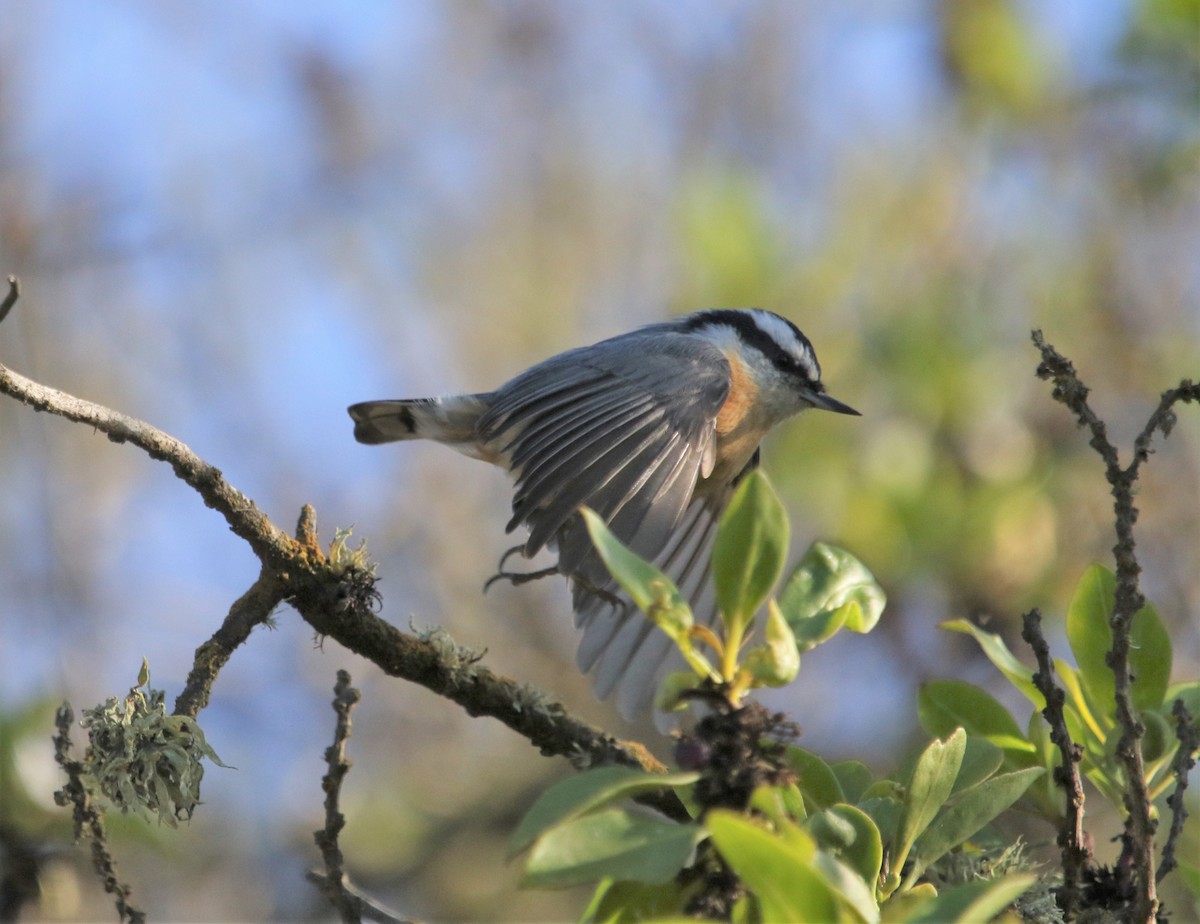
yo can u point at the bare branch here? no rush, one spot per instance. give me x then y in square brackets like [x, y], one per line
[345, 699]
[1188, 732]
[89, 820]
[1162, 419]
[10, 297]
[1071, 838]
[1068, 389]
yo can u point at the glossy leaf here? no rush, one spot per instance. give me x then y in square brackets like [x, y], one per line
[585, 792]
[783, 805]
[980, 760]
[1189, 692]
[776, 662]
[612, 843]
[932, 781]
[944, 705]
[817, 782]
[780, 874]
[885, 812]
[853, 836]
[624, 902]
[973, 809]
[854, 777]
[1084, 725]
[750, 548]
[1089, 633]
[850, 887]
[1005, 661]
[830, 588]
[647, 586]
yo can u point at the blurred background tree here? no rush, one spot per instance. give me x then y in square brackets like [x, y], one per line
[235, 220]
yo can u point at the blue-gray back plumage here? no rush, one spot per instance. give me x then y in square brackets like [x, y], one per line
[626, 427]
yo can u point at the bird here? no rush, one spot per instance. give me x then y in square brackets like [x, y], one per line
[652, 429]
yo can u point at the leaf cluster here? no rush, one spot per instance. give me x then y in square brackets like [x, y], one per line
[829, 590]
[834, 845]
[798, 839]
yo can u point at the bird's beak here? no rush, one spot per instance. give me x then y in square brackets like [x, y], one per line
[821, 400]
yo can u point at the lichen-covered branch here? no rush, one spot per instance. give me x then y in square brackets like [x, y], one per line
[1071, 838]
[89, 821]
[298, 571]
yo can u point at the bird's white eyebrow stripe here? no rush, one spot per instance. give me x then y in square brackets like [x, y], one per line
[781, 332]
[778, 330]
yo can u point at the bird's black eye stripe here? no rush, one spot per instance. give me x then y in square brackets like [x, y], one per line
[753, 335]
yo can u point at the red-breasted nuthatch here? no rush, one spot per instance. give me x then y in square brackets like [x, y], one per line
[651, 429]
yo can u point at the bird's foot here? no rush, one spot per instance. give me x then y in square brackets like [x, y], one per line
[516, 578]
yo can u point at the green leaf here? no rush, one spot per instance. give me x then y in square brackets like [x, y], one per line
[780, 873]
[974, 902]
[849, 832]
[830, 588]
[1189, 875]
[750, 548]
[849, 886]
[1089, 633]
[932, 781]
[624, 902]
[652, 591]
[1189, 692]
[853, 776]
[817, 782]
[612, 843]
[980, 760]
[1005, 661]
[885, 811]
[1150, 658]
[944, 705]
[1087, 728]
[776, 662]
[973, 809]
[585, 792]
[774, 805]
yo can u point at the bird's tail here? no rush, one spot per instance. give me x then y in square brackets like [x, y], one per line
[445, 420]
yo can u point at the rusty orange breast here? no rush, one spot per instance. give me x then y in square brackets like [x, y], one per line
[743, 394]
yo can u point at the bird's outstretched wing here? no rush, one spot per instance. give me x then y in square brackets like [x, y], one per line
[626, 427]
[623, 648]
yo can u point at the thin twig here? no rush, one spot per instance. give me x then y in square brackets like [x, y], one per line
[1188, 732]
[1071, 837]
[10, 297]
[345, 699]
[251, 609]
[1069, 390]
[89, 820]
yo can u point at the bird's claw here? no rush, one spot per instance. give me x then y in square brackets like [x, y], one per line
[516, 578]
